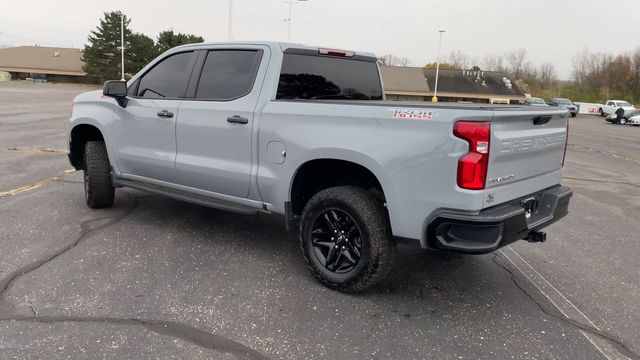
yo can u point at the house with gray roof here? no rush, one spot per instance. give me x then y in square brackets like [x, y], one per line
[417, 84]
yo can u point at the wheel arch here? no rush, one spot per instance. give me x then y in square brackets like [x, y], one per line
[322, 172]
[79, 135]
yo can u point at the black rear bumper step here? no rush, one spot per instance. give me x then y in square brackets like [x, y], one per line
[500, 225]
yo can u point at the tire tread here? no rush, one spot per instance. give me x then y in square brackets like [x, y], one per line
[373, 214]
[100, 192]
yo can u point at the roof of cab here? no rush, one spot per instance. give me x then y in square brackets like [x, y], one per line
[272, 44]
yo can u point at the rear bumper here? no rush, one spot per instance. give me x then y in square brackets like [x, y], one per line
[497, 226]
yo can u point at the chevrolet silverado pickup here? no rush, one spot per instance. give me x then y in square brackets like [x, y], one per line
[305, 132]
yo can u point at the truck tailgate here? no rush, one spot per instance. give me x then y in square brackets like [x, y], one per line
[526, 153]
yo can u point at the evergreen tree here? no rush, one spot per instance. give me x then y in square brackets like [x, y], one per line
[168, 39]
[102, 56]
[141, 51]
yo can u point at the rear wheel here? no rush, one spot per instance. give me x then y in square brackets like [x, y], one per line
[98, 189]
[600, 112]
[345, 239]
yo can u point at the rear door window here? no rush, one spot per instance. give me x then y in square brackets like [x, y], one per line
[321, 77]
[228, 74]
[168, 78]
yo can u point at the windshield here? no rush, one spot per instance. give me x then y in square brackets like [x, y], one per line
[536, 101]
[563, 101]
[623, 104]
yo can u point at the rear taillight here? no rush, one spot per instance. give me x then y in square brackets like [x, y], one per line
[566, 142]
[472, 167]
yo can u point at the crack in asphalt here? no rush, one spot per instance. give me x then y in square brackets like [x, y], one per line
[601, 181]
[38, 149]
[68, 181]
[175, 330]
[617, 343]
[613, 154]
[172, 329]
[85, 231]
[36, 185]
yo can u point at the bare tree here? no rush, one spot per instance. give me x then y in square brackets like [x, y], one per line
[516, 63]
[393, 60]
[492, 63]
[580, 67]
[547, 75]
[404, 62]
[458, 59]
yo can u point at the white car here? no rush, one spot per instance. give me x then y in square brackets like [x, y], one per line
[612, 105]
[634, 120]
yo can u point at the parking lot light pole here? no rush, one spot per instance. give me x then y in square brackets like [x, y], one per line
[122, 42]
[288, 20]
[230, 22]
[435, 89]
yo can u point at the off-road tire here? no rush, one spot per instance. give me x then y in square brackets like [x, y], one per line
[371, 219]
[98, 189]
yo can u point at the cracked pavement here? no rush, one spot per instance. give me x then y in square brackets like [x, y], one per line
[157, 278]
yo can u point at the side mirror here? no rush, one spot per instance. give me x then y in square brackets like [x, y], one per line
[116, 89]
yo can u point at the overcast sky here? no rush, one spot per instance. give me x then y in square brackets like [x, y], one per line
[550, 30]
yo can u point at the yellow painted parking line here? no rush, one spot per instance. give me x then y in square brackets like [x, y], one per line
[38, 149]
[35, 185]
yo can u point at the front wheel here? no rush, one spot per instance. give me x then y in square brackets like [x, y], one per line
[345, 239]
[98, 189]
[623, 121]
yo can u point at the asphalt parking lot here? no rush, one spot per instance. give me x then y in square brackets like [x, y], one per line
[156, 278]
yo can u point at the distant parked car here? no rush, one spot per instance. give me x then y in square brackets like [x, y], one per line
[533, 101]
[612, 105]
[627, 117]
[565, 103]
[634, 120]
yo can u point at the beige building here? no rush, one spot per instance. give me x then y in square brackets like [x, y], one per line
[417, 84]
[46, 63]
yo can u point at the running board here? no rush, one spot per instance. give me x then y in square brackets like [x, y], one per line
[188, 197]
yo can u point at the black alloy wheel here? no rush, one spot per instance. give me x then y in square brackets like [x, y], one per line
[337, 241]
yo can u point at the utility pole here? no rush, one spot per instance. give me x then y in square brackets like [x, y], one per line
[122, 42]
[435, 90]
[230, 22]
[288, 20]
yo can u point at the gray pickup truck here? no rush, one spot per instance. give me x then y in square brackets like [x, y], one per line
[305, 132]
